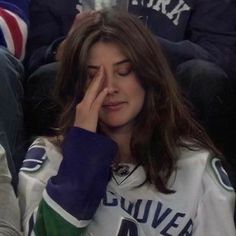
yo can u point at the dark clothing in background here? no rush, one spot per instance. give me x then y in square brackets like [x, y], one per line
[190, 29]
[12, 133]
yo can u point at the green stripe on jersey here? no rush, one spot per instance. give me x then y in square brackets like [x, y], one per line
[50, 223]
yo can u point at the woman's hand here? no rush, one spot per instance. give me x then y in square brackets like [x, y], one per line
[87, 110]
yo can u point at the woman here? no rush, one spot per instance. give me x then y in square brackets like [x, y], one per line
[132, 161]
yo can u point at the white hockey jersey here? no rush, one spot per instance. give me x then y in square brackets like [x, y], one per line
[202, 205]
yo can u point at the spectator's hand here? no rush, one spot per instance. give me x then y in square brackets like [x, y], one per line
[87, 110]
[79, 18]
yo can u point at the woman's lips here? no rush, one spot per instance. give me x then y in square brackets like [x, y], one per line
[113, 106]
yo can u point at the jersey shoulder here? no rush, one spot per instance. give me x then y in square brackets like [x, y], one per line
[42, 159]
[218, 174]
[209, 166]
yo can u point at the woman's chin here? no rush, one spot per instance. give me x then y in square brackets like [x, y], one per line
[115, 125]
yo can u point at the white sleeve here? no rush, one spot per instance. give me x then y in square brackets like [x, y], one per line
[215, 215]
[41, 162]
[30, 191]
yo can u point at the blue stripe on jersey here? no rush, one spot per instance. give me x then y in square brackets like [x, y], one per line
[34, 159]
[221, 174]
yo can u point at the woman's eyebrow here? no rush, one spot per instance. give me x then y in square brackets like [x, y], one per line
[122, 62]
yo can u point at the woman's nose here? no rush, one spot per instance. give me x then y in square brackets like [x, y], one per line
[110, 83]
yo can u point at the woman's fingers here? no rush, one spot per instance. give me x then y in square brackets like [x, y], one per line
[88, 109]
[99, 100]
[94, 87]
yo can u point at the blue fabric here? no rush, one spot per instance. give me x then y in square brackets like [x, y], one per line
[34, 159]
[19, 7]
[83, 174]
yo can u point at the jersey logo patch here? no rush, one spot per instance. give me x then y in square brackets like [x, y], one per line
[221, 174]
[35, 157]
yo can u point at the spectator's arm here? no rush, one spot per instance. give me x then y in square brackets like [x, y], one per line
[72, 196]
[211, 34]
[9, 209]
[179, 52]
[45, 28]
[214, 216]
[73, 192]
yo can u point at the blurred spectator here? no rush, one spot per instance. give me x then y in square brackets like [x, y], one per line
[13, 34]
[9, 209]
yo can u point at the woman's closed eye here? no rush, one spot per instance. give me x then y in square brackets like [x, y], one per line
[124, 70]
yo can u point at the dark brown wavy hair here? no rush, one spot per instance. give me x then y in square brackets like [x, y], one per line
[164, 122]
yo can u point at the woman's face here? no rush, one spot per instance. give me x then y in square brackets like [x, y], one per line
[126, 95]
